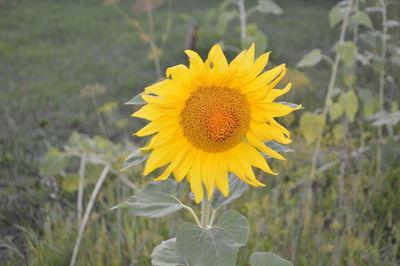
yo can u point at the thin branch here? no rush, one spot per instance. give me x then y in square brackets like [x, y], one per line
[87, 213]
[80, 188]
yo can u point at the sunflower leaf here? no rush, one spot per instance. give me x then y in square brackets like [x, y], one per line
[155, 200]
[214, 246]
[268, 259]
[166, 254]
[136, 157]
[137, 100]
[277, 146]
[236, 189]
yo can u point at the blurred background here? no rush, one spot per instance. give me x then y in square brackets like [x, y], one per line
[67, 67]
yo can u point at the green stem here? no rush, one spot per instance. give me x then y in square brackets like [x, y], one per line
[243, 22]
[205, 210]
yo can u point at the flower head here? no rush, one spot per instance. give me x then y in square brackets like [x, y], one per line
[212, 118]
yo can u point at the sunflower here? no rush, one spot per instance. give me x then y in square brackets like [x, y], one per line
[212, 118]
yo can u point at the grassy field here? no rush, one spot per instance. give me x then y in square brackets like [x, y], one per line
[51, 50]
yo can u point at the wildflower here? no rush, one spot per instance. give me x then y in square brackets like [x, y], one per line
[212, 118]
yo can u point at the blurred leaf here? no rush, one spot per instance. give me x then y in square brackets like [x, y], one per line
[236, 189]
[335, 111]
[155, 200]
[370, 103]
[349, 101]
[339, 132]
[154, 52]
[361, 18]
[388, 119]
[137, 100]
[392, 23]
[213, 245]
[269, 7]
[311, 126]
[277, 146]
[336, 15]
[268, 259]
[108, 107]
[71, 183]
[52, 163]
[136, 157]
[310, 59]
[166, 254]
[347, 51]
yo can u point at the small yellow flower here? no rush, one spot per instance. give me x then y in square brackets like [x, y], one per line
[212, 118]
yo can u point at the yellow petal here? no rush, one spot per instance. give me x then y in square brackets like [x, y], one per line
[275, 93]
[196, 63]
[265, 79]
[253, 140]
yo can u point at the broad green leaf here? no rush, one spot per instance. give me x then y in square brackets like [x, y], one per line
[339, 132]
[166, 254]
[311, 126]
[213, 246]
[268, 259]
[137, 100]
[335, 111]
[347, 51]
[155, 200]
[310, 59]
[52, 163]
[336, 15]
[361, 18]
[136, 157]
[349, 101]
[236, 225]
[236, 189]
[269, 7]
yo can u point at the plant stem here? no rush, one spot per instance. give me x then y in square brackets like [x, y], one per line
[205, 210]
[305, 214]
[80, 188]
[152, 43]
[87, 213]
[243, 23]
[196, 219]
[328, 103]
[381, 88]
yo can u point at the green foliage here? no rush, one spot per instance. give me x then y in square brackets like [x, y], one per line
[361, 18]
[136, 100]
[310, 59]
[335, 111]
[166, 254]
[349, 102]
[217, 245]
[336, 15]
[267, 259]
[347, 51]
[155, 200]
[311, 126]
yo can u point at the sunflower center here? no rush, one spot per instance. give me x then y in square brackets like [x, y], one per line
[215, 119]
